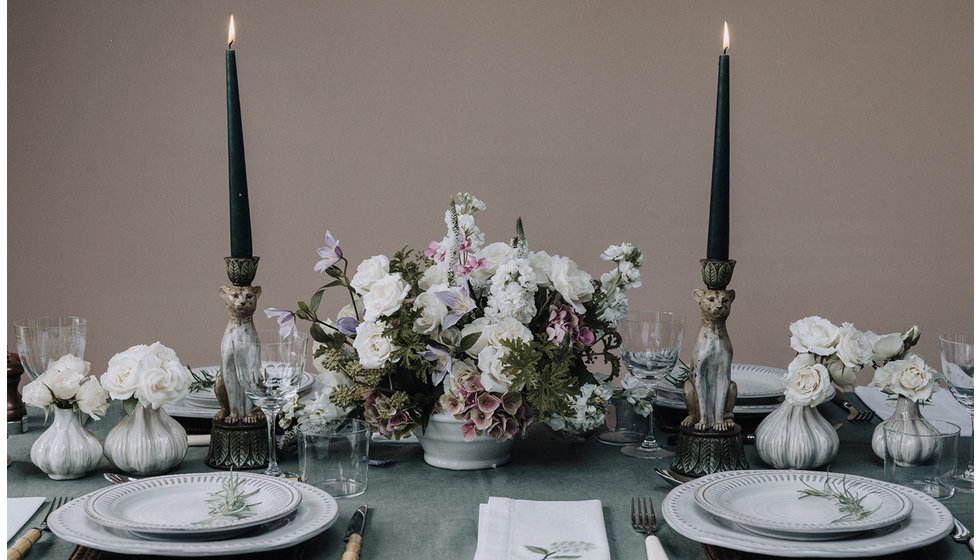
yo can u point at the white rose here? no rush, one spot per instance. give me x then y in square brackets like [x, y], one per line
[369, 272]
[910, 377]
[463, 371]
[885, 347]
[120, 379]
[436, 275]
[64, 378]
[807, 382]
[492, 370]
[385, 297]
[815, 335]
[854, 348]
[541, 263]
[433, 311]
[494, 255]
[36, 393]
[91, 398]
[477, 326]
[161, 382]
[373, 349]
[507, 329]
[574, 285]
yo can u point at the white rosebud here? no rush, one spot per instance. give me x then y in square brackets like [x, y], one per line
[373, 349]
[369, 272]
[815, 335]
[385, 297]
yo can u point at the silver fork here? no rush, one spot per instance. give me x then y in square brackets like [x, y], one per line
[961, 534]
[854, 415]
[24, 544]
[644, 518]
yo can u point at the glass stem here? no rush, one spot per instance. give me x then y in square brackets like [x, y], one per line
[270, 421]
[650, 440]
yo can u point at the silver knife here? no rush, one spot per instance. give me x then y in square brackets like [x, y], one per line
[355, 529]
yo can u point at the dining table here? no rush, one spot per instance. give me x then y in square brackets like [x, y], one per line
[419, 511]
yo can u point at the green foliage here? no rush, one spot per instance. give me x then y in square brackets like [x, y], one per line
[230, 501]
[546, 372]
[848, 503]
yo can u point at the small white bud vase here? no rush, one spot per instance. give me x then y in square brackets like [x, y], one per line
[146, 442]
[911, 449]
[796, 437]
[66, 450]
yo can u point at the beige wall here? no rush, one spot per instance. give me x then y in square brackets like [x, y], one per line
[852, 152]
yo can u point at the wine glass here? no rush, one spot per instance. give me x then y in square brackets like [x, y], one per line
[44, 339]
[956, 352]
[270, 371]
[651, 347]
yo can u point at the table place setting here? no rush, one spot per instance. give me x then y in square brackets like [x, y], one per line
[511, 529]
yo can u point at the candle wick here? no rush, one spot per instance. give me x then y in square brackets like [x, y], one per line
[723, 51]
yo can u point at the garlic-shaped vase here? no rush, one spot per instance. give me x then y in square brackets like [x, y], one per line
[796, 437]
[146, 442]
[907, 419]
[66, 450]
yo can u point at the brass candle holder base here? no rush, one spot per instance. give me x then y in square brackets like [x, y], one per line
[701, 453]
[709, 439]
[238, 446]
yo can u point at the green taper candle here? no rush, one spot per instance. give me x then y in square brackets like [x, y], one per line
[241, 224]
[718, 214]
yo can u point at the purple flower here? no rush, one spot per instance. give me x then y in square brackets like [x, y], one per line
[347, 325]
[329, 255]
[458, 301]
[444, 362]
[286, 319]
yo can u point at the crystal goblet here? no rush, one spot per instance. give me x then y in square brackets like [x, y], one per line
[270, 372]
[44, 339]
[956, 352]
[651, 346]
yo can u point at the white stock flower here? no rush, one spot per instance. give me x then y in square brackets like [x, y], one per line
[512, 291]
[853, 348]
[120, 378]
[433, 311]
[574, 285]
[493, 255]
[368, 272]
[92, 398]
[807, 382]
[616, 307]
[885, 347]
[815, 335]
[910, 377]
[373, 349]
[385, 297]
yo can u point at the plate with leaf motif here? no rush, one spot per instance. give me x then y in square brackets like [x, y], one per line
[210, 504]
[802, 505]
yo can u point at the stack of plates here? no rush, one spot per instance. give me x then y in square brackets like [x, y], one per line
[170, 515]
[763, 512]
[204, 403]
[760, 389]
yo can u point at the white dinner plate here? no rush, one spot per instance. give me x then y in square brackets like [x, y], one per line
[929, 522]
[754, 383]
[207, 399]
[148, 505]
[770, 503]
[206, 407]
[315, 514]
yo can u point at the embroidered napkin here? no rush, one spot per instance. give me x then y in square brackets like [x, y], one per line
[20, 511]
[942, 406]
[524, 529]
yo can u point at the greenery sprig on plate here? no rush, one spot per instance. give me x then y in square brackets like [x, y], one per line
[230, 501]
[202, 380]
[848, 502]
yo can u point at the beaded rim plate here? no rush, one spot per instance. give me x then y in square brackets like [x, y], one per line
[770, 501]
[929, 522]
[207, 398]
[148, 505]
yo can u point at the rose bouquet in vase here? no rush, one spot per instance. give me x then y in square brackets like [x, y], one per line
[147, 441]
[493, 335]
[66, 450]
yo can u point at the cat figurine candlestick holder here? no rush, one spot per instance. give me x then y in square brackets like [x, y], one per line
[709, 440]
[238, 430]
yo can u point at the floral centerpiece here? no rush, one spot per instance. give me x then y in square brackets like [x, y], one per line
[495, 334]
[146, 378]
[66, 450]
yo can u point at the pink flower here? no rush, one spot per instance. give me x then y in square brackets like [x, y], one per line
[488, 402]
[480, 419]
[511, 402]
[469, 431]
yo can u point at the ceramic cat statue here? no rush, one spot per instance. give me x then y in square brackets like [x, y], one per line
[709, 392]
[236, 407]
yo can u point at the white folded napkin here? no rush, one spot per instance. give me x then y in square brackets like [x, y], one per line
[20, 511]
[942, 406]
[524, 529]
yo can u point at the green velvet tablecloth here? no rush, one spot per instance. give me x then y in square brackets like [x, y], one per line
[419, 511]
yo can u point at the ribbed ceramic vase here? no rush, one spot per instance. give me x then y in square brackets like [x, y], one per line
[796, 437]
[146, 442]
[66, 450]
[443, 446]
[909, 420]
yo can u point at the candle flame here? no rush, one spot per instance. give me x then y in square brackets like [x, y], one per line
[231, 30]
[725, 41]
